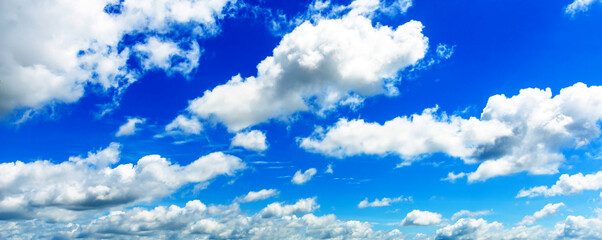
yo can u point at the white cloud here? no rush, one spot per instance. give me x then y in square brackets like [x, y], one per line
[408, 137]
[444, 52]
[253, 140]
[566, 185]
[197, 221]
[329, 169]
[452, 177]
[382, 202]
[301, 178]
[526, 132]
[316, 67]
[548, 210]
[580, 6]
[421, 218]
[159, 53]
[183, 125]
[578, 227]
[28, 190]
[51, 51]
[468, 228]
[259, 195]
[573, 227]
[302, 206]
[129, 128]
[467, 213]
[101, 158]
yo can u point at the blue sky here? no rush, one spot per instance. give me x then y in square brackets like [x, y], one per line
[365, 119]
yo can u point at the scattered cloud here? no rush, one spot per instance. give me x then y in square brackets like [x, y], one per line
[526, 132]
[548, 210]
[382, 202]
[452, 177]
[421, 218]
[301, 178]
[33, 190]
[129, 128]
[183, 125]
[329, 169]
[253, 140]
[259, 195]
[317, 67]
[467, 213]
[302, 206]
[566, 184]
[197, 220]
[62, 48]
[580, 6]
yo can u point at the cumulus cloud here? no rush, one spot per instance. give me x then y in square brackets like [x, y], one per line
[580, 6]
[129, 128]
[421, 218]
[50, 52]
[526, 132]
[548, 210]
[302, 206]
[566, 185]
[29, 190]
[301, 178]
[467, 213]
[573, 227]
[183, 125]
[579, 227]
[317, 67]
[198, 221]
[253, 140]
[382, 202]
[408, 137]
[259, 195]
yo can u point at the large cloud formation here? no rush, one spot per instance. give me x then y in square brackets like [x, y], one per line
[526, 132]
[51, 51]
[43, 189]
[196, 220]
[316, 67]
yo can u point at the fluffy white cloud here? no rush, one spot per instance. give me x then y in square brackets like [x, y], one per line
[302, 206]
[183, 125]
[198, 221]
[548, 210]
[382, 202]
[573, 227]
[566, 185]
[467, 213]
[578, 227]
[129, 128]
[468, 228]
[526, 132]
[421, 218]
[50, 51]
[580, 6]
[27, 190]
[253, 140]
[316, 67]
[408, 137]
[259, 195]
[301, 178]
